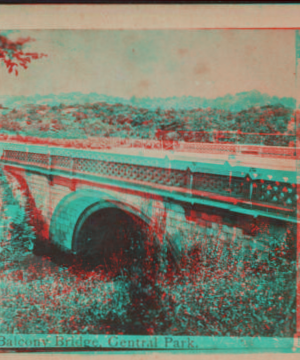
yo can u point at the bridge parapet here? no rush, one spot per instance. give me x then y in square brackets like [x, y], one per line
[228, 182]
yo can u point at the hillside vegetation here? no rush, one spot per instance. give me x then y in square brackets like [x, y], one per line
[102, 119]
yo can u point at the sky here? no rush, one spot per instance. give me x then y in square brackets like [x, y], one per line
[156, 63]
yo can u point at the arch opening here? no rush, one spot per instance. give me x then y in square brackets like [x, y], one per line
[115, 239]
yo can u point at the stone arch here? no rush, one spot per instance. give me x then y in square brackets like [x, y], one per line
[74, 210]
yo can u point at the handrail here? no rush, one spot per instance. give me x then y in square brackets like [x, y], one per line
[169, 145]
[253, 189]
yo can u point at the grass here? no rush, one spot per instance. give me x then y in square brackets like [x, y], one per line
[218, 289]
[57, 302]
[208, 298]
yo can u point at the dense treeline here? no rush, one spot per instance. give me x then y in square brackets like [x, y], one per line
[103, 119]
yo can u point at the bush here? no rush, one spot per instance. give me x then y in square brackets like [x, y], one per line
[59, 302]
[17, 235]
[221, 289]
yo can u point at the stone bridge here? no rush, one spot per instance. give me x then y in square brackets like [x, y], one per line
[182, 196]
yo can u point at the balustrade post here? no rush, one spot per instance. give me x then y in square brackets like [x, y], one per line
[49, 161]
[50, 179]
[73, 180]
[72, 166]
[189, 180]
[250, 191]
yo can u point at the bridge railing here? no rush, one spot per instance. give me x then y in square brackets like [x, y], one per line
[228, 137]
[196, 147]
[233, 142]
[274, 190]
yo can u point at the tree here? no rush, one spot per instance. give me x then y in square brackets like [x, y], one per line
[12, 53]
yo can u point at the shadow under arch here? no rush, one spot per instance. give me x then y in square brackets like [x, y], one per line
[95, 227]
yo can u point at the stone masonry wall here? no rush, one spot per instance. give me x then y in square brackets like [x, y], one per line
[167, 218]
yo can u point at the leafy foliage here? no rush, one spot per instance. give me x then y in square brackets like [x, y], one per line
[223, 290]
[17, 236]
[125, 121]
[12, 53]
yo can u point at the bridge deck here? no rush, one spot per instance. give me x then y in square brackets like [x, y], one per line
[255, 183]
